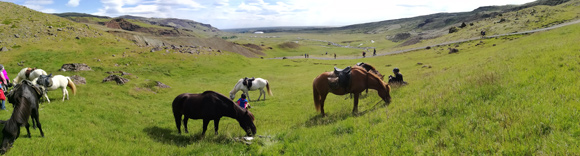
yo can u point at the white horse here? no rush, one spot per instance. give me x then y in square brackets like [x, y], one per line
[35, 73]
[258, 83]
[55, 82]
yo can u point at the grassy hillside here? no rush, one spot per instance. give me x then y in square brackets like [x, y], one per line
[427, 30]
[518, 97]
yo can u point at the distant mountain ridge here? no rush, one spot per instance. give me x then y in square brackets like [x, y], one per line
[437, 20]
[174, 22]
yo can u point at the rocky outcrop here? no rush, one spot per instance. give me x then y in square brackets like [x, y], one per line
[120, 23]
[75, 67]
[78, 79]
[161, 85]
[120, 80]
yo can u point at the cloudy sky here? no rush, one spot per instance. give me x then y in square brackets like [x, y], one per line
[225, 14]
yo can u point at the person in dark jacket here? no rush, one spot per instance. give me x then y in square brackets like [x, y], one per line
[397, 79]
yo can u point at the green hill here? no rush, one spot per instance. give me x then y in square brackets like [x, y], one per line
[513, 95]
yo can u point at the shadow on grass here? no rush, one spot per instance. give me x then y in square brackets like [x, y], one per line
[165, 135]
[170, 136]
[335, 117]
[318, 120]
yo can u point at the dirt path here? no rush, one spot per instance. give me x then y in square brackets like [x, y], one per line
[418, 48]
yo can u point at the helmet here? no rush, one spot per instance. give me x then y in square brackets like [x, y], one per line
[396, 70]
[1, 66]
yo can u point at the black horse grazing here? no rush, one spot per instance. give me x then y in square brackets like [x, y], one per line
[25, 99]
[210, 105]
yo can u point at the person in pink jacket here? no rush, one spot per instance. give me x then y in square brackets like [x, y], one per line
[5, 82]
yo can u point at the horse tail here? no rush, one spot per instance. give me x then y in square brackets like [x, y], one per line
[268, 87]
[72, 86]
[316, 96]
[177, 107]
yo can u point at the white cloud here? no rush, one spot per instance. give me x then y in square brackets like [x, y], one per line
[73, 3]
[260, 13]
[39, 5]
[151, 8]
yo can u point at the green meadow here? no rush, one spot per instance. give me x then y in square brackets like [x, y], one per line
[511, 95]
[519, 97]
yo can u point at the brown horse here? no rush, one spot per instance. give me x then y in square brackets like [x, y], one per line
[210, 105]
[359, 81]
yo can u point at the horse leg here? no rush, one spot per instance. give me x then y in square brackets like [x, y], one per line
[263, 92]
[216, 123]
[355, 108]
[247, 95]
[205, 123]
[185, 124]
[64, 93]
[322, 99]
[177, 122]
[27, 128]
[46, 96]
[35, 119]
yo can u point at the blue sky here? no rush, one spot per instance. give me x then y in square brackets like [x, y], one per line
[225, 14]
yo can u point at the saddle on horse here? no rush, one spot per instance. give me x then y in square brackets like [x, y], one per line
[10, 96]
[248, 82]
[28, 71]
[340, 78]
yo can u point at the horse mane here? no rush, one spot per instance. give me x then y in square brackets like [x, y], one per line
[236, 86]
[17, 98]
[372, 74]
[250, 114]
[370, 66]
[237, 109]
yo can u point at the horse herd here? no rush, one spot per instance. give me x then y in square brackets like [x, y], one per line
[211, 105]
[32, 84]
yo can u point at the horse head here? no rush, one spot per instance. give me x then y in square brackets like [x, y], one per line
[10, 133]
[386, 94]
[246, 121]
[232, 95]
[45, 80]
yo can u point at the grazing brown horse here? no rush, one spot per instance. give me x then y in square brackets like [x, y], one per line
[210, 105]
[25, 98]
[359, 81]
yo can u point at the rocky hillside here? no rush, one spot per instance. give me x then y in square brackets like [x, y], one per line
[178, 23]
[185, 36]
[20, 26]
[492, 19]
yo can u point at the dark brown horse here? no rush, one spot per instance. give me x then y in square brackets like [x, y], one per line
[25, 99]
[359, 81]
[371, 69]
[210, 105]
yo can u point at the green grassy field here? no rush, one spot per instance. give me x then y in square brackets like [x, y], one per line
[519, 97]
[514, 95]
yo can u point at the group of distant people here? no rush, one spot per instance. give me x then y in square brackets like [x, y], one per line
[364, 53]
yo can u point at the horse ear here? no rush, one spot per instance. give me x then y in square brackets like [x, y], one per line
[50, 75]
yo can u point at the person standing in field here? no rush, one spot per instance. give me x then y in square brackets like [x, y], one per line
[334, 55]
[364, 54]
[374, 52]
